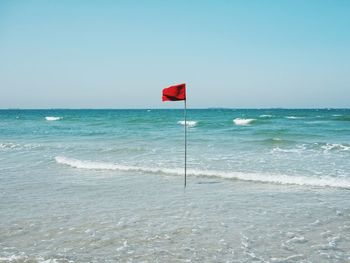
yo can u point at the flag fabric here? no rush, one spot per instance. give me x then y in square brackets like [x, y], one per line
[174, 93]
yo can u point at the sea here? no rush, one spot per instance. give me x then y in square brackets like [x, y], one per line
[263, 185]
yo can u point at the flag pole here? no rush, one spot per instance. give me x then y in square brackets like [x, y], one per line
[185, 143]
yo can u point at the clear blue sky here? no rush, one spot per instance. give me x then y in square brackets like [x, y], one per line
[120, 54]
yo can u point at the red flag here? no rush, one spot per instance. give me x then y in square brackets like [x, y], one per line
[176, 92]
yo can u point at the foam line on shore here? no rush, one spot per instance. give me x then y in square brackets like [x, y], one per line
[264, 178]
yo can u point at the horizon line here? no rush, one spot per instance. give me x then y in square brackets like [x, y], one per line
[199, 108]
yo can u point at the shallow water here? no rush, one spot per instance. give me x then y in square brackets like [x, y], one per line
[107, 186]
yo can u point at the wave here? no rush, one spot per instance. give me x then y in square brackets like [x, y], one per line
[343, 118]
[325, 148]
[9, 145]
[243, 122]
[325, 181]
[16, 146]
[276, 140]
[53, 118]
[299, 149]
[266, 116]
[188, 123]
[294, 117]
[335, 147]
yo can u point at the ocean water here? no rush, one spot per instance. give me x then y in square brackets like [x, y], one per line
[264, 185]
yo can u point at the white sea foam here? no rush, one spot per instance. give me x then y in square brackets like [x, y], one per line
[266, 116]
[52, 118]
[24, 258]
[243, 122]
[281, 150]
[294, 117]
[292, 258]
[188, 123]
[335, 147]
[12, 258]
[15, 146]
[8, 145]
[323, 181]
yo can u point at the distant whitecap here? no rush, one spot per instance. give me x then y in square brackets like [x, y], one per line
[188, 123]
[243, 122]
[294, 117]
[52, 118]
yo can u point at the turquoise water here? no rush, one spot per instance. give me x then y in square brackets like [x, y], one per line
[107, 186]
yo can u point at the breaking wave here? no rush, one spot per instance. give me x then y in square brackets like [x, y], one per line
[324, 181]
[266, 116]
[188, 123]
[52, 118]
[335, 147]
[9, 145]
[294, 117]
[243, 122]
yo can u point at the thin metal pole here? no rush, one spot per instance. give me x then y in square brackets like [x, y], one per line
[185, 144]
